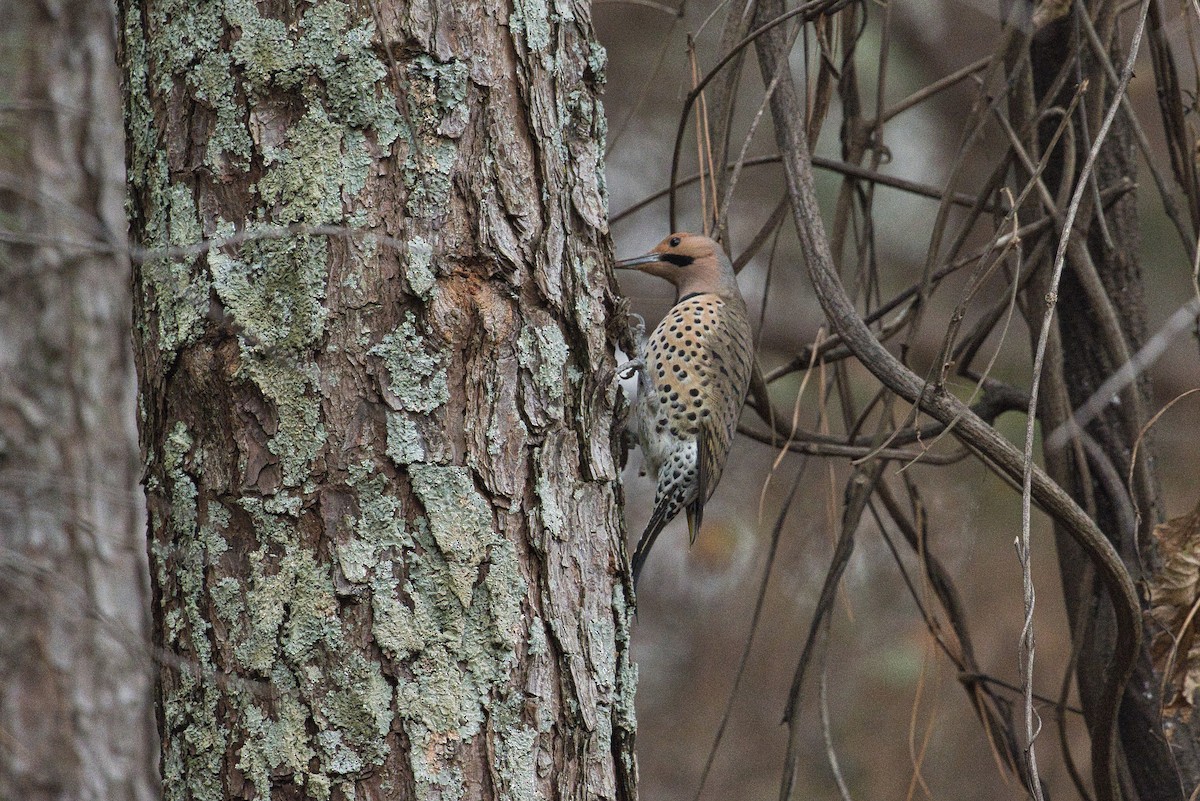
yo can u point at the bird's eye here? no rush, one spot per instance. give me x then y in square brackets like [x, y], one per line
[675, 241]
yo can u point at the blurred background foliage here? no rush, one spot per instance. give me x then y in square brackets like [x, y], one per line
[898, 722]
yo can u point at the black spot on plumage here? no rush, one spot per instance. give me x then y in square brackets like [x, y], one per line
[693, 392]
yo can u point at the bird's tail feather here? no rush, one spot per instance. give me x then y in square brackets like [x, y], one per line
[663, 513]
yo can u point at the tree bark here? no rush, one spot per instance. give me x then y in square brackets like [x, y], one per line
[372, 330]
[75, 704]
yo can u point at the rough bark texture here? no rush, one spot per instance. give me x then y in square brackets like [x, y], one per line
[76, 716]
[383, 499]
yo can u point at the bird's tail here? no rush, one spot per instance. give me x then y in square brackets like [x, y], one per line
[666, 509]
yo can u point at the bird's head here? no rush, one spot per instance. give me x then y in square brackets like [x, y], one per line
[691, 262]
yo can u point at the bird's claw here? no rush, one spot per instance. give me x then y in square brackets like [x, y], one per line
[639, 328]
[630, 368]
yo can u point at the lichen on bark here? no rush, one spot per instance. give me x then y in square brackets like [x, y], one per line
[386, 312]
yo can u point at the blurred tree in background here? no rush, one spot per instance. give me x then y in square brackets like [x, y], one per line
[76, 719]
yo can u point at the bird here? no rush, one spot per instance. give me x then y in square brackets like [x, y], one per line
[693, 373]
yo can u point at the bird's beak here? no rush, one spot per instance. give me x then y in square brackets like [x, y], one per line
[638, 261]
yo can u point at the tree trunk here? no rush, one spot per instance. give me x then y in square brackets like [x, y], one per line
[1101, 313]
[372, 330]
[75, 705]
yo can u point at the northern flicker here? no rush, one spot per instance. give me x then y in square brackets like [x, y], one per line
[693, 377]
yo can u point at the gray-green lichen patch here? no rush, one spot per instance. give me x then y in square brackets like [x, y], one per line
[418, 269]
[453, 622]
[275, 290]
[308, 175]
[417, 377]
[180, 297]
[193, 695]
[312, 166]
[186, 44]
[301, 434]
[597, 62]
[396, 627]
[228, 55]
[546, 487]
[587, 190]
[437, 114]
[405, 444]
[276, 739]
[327, 57]
[283, 617]
[542, 350]
[350, 71]
[516, 752]
[530, 20]
[193, 768]
[378, 529]
[627, 672]
[455, 625]
[459, 519]
[191, 544]
[264, 49]
[588, 307]
[228, 147]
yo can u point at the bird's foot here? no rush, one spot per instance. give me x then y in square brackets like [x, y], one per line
[630, 368]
